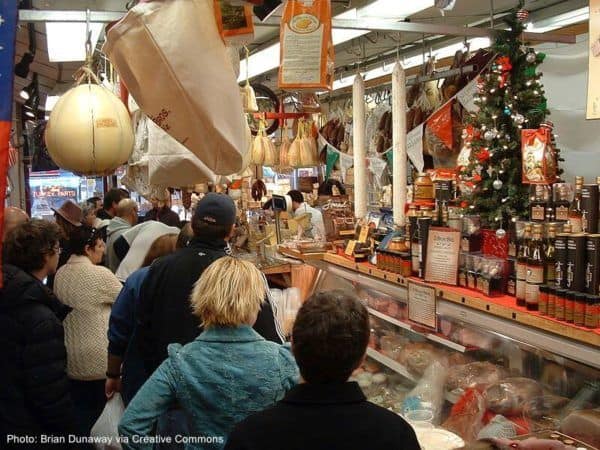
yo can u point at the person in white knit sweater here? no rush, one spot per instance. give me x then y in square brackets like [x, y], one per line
[90, 290]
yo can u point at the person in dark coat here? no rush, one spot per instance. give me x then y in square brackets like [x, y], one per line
[326, 411]
[34, 388]
[161, 211]
[164, 314]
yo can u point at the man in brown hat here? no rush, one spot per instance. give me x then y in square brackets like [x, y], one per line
[68, 217]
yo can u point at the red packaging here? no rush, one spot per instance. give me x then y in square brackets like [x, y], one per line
[538, 157]
[493, 245]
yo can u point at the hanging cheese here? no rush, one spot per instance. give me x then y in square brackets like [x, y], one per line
[89, 131]
[258, 146]
[284, 149]
[271, 155]
[294, 152]
[306, 150]
[248, 98]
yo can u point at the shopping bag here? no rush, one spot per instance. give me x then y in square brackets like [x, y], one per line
[107, 425]
[171, 164]
[171, 57]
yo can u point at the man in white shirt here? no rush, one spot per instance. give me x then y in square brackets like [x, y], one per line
[299, 207]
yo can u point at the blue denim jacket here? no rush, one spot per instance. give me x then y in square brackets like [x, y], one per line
[219, 379]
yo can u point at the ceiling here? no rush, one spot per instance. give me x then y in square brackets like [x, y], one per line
[465, 13]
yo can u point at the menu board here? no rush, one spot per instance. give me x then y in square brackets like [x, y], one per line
[443, 246]
[422, 304]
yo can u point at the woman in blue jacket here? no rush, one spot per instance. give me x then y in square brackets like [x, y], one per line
[228, 372]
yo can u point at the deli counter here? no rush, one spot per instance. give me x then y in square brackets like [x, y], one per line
[470, 372]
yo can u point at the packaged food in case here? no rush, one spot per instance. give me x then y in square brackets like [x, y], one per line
[583, 425]
[473, 374]
[509, 396]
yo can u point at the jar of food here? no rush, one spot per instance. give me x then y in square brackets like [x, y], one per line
[427, 211]
[406, 264]
[398, 244]
[423, 188]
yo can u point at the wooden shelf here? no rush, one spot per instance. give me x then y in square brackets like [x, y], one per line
[501, 307]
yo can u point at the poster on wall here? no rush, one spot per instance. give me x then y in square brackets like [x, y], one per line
[593, 94]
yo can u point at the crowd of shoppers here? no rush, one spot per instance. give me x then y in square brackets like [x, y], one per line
[186, 333]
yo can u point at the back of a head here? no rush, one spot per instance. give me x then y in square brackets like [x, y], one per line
[296, 196]
[114, 196]
[228, 293]
[13, 217]
[214, 217]
[82, 237]
[330, 337]
[185, 235]
[161, 246]
[126, 207]
[27, 244]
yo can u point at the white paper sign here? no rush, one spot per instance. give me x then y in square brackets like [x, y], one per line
[422, 304]
[466, 96]
[414, 147]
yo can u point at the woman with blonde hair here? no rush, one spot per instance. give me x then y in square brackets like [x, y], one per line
[228, 372]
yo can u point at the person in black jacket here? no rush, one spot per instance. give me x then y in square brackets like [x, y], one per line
[34, 388]
[325, 411]
[164, 315]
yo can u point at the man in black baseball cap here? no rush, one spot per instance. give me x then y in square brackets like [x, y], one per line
[164, 315]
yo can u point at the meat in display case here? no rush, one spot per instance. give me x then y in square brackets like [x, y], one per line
[475, 375]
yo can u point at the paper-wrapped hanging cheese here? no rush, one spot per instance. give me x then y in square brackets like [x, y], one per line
[294, 152]
[271, 155]
[307, 55]
[182, 77]
[284, 149]
[248, 98]
[89, 131]
[306, 148]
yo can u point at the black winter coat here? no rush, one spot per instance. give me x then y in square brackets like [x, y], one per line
[164, 315]
[34, 388]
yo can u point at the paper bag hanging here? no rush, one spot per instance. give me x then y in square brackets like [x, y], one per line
[234, 22]
[184, 80]
[538, 157]
[307, 56]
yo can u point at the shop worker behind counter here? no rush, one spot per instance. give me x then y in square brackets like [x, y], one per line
[299, 206]
[164, 314]
[326, 411]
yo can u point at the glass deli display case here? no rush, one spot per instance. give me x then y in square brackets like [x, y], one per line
[475, 375]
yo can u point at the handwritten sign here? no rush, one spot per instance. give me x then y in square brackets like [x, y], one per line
[466, 96]
[443, 246]
[422, 304]
[414, 147]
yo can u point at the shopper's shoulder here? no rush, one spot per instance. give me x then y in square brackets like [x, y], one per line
[385, 418]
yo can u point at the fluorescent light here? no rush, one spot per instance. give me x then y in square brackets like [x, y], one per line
[414, 61]
[66, 40]
[394, 9]
[268, 58]
[24, 94]
[562, 20]
[50, 102]
[29, 114]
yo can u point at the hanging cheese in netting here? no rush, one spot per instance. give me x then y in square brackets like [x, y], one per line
[89, 131]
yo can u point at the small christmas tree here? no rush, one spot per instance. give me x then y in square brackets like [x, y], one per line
[510, 98]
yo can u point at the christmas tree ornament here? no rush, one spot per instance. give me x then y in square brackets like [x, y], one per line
[497, 184]
[531, 57]
[507, 111]
[489, 135]
[500, 233]
[522, 15]
[519, 119]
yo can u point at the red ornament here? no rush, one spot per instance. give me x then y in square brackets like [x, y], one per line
[477, 178]
[522, 15]
[504, 64]
[483, 155]
[463, 204]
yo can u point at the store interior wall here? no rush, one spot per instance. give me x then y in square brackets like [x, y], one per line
[565, 78]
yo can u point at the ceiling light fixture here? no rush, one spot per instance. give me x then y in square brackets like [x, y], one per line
[394, 9]
[22, 67]
[30, 90]
[560, 21]
[66, 40]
